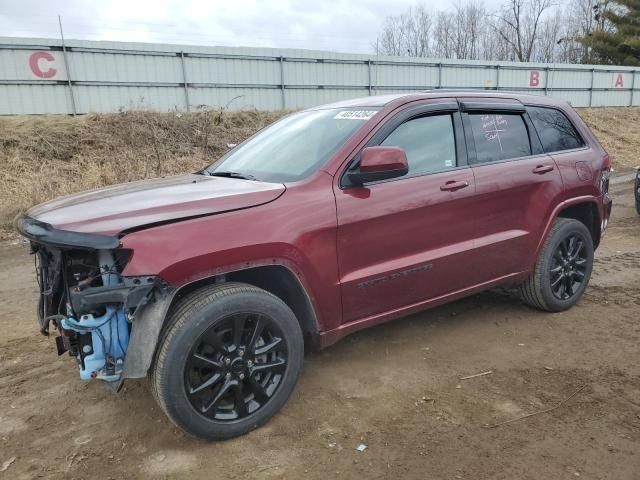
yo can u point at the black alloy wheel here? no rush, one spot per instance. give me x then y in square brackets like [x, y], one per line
[236, 367]
[563, 267]
[228, 360]
[568, 267]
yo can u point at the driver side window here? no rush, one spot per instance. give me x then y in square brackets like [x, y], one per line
[429, 143]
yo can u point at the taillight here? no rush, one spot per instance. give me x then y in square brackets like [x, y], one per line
[605, 174]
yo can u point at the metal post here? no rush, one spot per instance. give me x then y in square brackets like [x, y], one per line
[546, 81]
[497, 77]
[184, 79]
[440, 75]
[633, 86]
[66, 66]
[284, 102]
[369, 67]
[593, 74]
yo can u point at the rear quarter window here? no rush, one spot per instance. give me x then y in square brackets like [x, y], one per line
[555, 130]
[499, 136]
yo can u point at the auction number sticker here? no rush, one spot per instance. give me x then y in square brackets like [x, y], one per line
[355, 115]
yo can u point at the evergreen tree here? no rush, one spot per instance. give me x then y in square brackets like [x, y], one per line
[619, 45]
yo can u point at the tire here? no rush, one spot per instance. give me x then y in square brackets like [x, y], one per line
[204, 362]
[547, 287]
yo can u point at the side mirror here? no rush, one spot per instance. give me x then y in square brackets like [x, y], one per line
[379, 163]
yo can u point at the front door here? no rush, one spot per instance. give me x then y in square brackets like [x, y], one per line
[406, 240]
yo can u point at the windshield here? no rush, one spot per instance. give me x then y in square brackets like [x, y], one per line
[292, 148]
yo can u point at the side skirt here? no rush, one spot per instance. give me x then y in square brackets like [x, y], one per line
[330, 337]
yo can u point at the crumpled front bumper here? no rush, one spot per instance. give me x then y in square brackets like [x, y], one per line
[41, 232]
[142, 300]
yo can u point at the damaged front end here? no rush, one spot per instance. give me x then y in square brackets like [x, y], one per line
[85, 297]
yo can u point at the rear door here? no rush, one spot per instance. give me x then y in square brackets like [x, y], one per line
[579, 164]
[517, 185]
[409, 239]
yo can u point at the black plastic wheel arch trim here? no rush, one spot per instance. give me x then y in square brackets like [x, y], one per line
[41, 232]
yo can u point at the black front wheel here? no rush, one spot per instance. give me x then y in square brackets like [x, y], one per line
[229, 361]
[563, 268]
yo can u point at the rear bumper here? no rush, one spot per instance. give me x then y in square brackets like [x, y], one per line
[41, 232]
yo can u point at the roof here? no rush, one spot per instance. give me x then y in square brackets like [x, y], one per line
[383, 100]
[372, 101]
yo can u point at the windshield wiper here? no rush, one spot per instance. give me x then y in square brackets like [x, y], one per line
[244, 176]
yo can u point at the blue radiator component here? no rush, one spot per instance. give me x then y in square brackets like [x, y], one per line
[104, 359]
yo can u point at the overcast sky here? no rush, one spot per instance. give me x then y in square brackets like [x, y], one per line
[342, 25]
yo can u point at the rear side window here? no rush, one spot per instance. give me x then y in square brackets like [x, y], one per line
[554, 129]
[428, 142]
[499, 136]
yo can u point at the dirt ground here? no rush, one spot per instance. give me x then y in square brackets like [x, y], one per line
[395, 388]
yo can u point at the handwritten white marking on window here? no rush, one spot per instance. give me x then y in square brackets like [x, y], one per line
[491, 124]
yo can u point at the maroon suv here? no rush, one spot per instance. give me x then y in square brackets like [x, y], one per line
[331, 220]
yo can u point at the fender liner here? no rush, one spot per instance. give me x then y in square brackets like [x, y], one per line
[150, 320]
[145, 332]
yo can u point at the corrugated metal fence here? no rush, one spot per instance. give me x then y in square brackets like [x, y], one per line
[37, 76]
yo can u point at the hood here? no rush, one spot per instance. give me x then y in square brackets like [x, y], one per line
[111, 210]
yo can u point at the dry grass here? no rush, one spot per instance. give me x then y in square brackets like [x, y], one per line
[44, 157]
[618, 129]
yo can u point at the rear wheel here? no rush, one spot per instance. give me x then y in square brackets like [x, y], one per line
[229, 361]
[563, 267]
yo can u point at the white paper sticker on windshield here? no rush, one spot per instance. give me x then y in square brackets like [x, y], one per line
[355, 115]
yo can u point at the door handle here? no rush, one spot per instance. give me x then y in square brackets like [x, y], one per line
[540, 169]
[452, 186]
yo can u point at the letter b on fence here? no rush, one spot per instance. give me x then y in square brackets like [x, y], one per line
[534, 78]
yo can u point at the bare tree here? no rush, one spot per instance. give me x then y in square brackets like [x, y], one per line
[551, 37]
[390, 41]
[407, 34]
[518, 24]
[469, 26]
[521, 30]
[583, 18]
[417, 24]
[443, 35]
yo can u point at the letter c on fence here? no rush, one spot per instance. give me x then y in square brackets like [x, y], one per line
[534, 78]
[34, 60]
